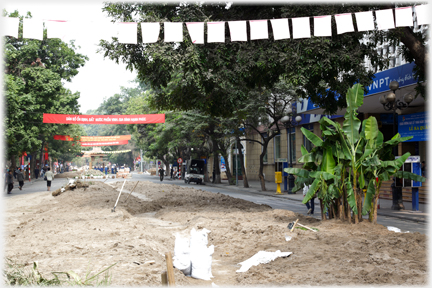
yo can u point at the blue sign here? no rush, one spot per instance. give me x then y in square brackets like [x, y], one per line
[403, 74]
[222, 164]
[416, 169]
[415, 125]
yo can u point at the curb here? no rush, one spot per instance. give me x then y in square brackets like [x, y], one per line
[293, 199]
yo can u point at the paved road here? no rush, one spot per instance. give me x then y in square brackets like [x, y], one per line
[274, 202]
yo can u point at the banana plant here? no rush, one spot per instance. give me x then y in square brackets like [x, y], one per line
[348, 159]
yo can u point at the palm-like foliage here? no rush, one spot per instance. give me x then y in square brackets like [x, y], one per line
[347, 160]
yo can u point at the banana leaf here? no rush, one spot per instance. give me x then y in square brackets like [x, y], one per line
[410, 176]
[351, 125]
[300, 182]
[307, 158]
[312, 190]
[350, 196]
[304, 150]
[371, 128]
[369, 197]
[312, 137]
[328, 164]
[361, 178]
[298, 172]
[318, 174]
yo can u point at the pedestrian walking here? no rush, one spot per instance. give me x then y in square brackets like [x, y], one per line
[49, 176]
[161, 173]
[20, 178]
[10, 181]
[36, 172]
[172, 171]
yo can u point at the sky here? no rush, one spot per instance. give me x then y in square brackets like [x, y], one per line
[100, 78]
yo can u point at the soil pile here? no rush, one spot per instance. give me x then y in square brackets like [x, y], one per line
[77, 230]
[67, 174]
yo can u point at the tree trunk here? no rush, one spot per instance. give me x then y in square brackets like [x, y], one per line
[323, 216]
[375, 208]
[33, 164]
[42, 155]
[417, 50]
[216, 163]
[230, 177]
[13, 163]
[360, 204]
[245, 181]
[261, 168]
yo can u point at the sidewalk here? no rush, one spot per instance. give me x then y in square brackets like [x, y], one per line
[384, 210]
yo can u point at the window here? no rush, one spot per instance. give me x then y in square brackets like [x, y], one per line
[291, 145]
[276, 146]
[307, 144]
[265, 155]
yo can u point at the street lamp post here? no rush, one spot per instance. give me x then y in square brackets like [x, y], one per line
[390, 103]
[290, 121]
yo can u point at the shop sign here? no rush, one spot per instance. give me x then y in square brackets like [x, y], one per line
[415, 125]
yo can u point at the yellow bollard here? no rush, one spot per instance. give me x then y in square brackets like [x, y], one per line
[278, 181]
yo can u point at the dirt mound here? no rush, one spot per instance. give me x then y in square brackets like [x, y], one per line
[68, 175]
[77, 230]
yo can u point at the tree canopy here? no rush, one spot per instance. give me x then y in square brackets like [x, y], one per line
[34, 71]
[216, 77]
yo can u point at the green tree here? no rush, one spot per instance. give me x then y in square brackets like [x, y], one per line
[34, 70]
[215, 77]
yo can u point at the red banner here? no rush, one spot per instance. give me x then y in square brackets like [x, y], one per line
[94, 138]
[106, 143]
[103, 119]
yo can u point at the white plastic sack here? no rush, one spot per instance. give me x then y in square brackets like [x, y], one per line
[201, 263]
[262, 257]
[181, 259]
[200, 254]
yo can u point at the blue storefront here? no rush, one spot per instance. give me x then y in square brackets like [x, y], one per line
[411, 121]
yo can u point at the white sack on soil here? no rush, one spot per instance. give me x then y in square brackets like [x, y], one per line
[181, 259]
[201, 255]
[262, 257]
[395, 229]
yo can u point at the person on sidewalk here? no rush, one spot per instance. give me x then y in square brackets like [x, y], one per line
[36, 172]
[49, 177]
[311, 204]
[20, 178]
[172, 171]
[10, 181]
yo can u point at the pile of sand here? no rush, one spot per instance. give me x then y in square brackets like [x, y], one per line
[77, 230]
[68, 175]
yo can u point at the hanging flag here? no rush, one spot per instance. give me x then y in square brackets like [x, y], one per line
[173, 31]
[385, 19]
[215, 32]
[422, 14]
[280, 29]
[104, 143]
[301, 27]
[33, 29]
[127, 32]
[57, 29]
[237, 30]
[344, 23]
[404, 17]
[258, 29]
[10, 27]
[150, 32]
[365, 21]
[196, 32]
[322, 26]
[103, 119]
